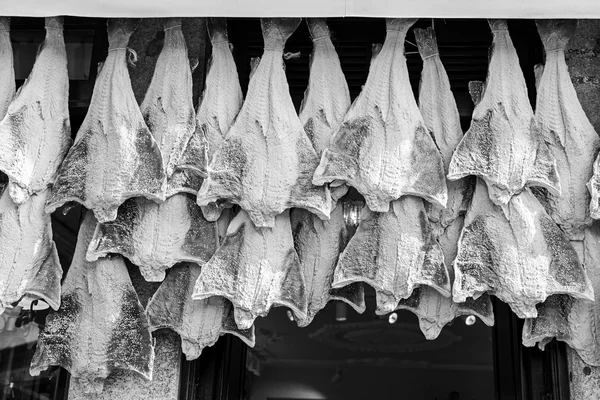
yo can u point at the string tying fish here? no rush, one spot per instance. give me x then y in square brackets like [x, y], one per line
[556, 50]
[219, 41]
[319, 38]
[431, 55]
[132, 56]
[291, 56]
[172, 27]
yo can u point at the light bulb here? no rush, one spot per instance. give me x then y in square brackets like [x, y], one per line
[290, 315]
[471, 319]
[340, 311]
[393, 318]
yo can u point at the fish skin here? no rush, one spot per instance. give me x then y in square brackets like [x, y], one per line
[383, 139]
[504, 145]
[29, 264]
[36, 132]
[255, 269]
[155, 237]
[266, 162]
[516, 253]
[219, 105]
[168, 109]
[395, 253]
[7, 69]
[571, 137]
[101, 325]
[594, 188]
[441, 117]
[568, 319]
[200, 323]
[114, 156]
[319, 244]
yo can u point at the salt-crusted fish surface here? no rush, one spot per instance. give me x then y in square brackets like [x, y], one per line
[114, 156]
[571, 320]
[155, 237]
[7, 68]
[29, 264]
[516, 253]
[571, 137]
[220, 103]
[36, 132]
[327, 97]
[101, 325]
[266, 162]
[168, 110]
[441, 117]
[382, 148]
[594, 188]
[200, 323]
[395, 253]
[319, 244]
[255, 269]
[504, 145]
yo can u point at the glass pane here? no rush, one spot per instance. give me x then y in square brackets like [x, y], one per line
[367, 357]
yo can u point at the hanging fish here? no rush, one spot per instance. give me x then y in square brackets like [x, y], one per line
[319, 244]
[266, 162]
[571, 137]
[114, 156]
[441, 117]
[36, 132]
[101, 325]
[382, 148]
[504, 145]
[395, 253]
[168, 110]
[516, 253]
[29, 264]
[155, 237]
[255, 269]
[200, 323]
[7, 69]
[219, 105]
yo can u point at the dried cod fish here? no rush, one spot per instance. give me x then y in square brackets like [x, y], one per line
[101, 325]
[168, 110]
[441, 117]
[114, 156]
[200, 323]
[266, 162]
[504, 145]
[255, 269]
[563, 123]
[594, 188]
[516, 253]
[382, 148]
[36, 132]
[319, 244]
[29, 264]
[155, 237]
[395, 253]
[7, 69]
[220, 104]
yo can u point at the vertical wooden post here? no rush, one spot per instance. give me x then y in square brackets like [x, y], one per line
[147, 43]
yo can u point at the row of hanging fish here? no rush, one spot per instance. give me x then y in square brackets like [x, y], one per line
[435, 246]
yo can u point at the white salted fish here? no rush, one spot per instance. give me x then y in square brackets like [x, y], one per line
[156, 236]
[594, 188]
[219, 105]
[571, 320]
[504, 145]
[516, 253]
[199, 323]
[114, 156]
[101, 325]
[29, 264]
[168, 110]
[319, 244]
[36, 132]
[441, 117]
[395, 253]
[266, 162]
[7, 69]
[255, 269]
[382, 148]
[570, 135]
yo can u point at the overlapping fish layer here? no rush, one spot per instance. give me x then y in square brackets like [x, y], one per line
[36, 132]
[101, 325]
[114, 156]
[266, 162]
